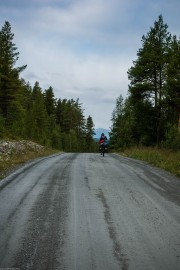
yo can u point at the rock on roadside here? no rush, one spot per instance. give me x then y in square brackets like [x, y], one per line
[8, 147]
[12, 148]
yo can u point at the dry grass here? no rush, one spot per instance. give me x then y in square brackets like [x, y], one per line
[165, 159]
[9, 162]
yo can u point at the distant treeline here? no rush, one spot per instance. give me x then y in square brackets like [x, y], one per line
[30, 113]
[150, 114]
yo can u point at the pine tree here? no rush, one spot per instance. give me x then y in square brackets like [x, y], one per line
[148, 76]
[9, 74]
[173, 83]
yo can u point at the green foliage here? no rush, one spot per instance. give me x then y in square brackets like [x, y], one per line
[172, 100]
[31, 113]
[15, 121]
[153, 102]
[89, 135]
[2, 127]
[172, 138]
[9, 74]
[149, 74]
[50, 101]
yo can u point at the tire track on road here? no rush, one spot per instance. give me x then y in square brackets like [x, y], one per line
[117, 248]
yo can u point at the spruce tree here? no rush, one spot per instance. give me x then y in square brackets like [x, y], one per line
[39, 116]
[50, 101]
[9, 74]
[89, 134]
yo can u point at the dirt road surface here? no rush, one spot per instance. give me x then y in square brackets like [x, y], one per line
[88, 212]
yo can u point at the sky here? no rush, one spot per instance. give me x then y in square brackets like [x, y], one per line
[84, 48]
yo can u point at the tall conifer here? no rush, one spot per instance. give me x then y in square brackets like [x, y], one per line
[9, 74]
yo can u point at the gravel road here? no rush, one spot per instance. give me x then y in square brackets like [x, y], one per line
[84, 211]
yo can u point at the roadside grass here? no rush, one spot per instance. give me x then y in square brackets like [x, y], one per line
[162, 158]
[9, 162]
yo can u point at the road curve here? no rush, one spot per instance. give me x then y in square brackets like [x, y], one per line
[88, 212]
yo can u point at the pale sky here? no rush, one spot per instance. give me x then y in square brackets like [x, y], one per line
[84, 48]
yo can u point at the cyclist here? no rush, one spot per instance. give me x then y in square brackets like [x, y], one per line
[103, 142]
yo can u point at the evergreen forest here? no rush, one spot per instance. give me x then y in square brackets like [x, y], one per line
[30, 113]
[150, 114]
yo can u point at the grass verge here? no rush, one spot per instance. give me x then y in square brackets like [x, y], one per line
[9, 162]
[164, 159]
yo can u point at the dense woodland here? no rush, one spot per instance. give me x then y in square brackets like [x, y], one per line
[150, 114]
[31, 113]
